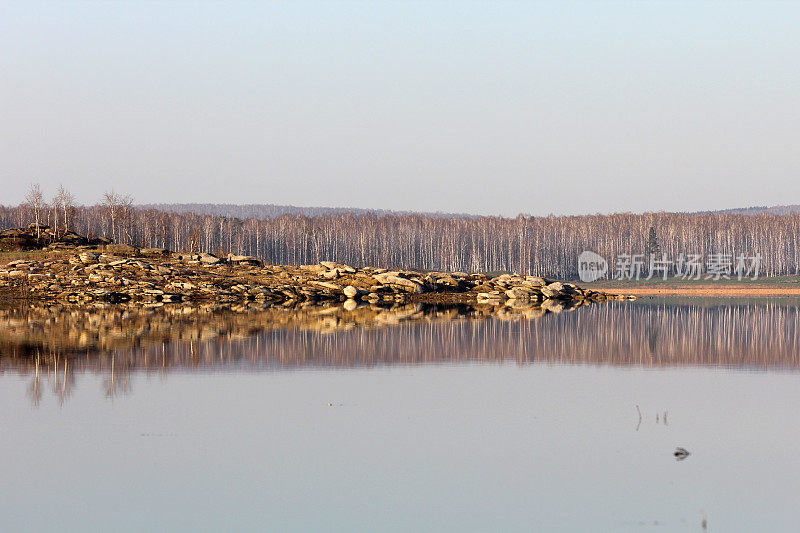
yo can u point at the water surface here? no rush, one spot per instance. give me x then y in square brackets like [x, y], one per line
[433, 420]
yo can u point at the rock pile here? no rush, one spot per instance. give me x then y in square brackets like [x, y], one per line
[120, 273]
[20, 239]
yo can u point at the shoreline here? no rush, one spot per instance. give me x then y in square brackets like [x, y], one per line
[723, 289]
[122, 273]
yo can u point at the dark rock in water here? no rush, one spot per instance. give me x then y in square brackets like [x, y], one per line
[116, 297]
[681, 453]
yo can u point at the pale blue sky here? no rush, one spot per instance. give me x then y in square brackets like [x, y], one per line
[490, 108]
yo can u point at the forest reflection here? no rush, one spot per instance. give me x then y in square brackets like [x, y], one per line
[53, 344]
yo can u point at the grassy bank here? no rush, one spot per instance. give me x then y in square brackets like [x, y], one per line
[765, 286]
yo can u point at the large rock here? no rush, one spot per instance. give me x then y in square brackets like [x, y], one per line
[490, 297]
[330, 265]
[209, 259]
[350, 291]
[446, 282]
[522, 293]
[154, 251]
[314, 268]
[331, 274]
[121, 249]
[393, 279]
[244, 260]
[12, 233]
[326, 284]
[70, 237]
[535, 281]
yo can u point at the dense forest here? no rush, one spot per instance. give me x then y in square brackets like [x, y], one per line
[540, 245]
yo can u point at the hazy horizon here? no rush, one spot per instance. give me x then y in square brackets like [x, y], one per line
[359, 209]
[477, 108]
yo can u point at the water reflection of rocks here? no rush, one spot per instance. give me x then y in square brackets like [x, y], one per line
[65, 329]
[51, 344]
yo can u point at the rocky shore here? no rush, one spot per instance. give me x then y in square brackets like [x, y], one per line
[71, 268]
[120, 273]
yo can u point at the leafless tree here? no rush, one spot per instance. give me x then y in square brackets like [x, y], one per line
[537, 245]
[110, 204]
[126, 217]
[118, 209]
[64, 201]
[35, 200]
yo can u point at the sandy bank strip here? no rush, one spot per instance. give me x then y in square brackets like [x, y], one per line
[705, 290]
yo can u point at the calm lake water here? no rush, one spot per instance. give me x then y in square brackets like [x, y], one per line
[413, 419]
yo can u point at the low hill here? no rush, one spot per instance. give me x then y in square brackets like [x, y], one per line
[759, 210]
[262, 211]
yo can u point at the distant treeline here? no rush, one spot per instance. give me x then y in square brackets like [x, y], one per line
[540, 245]
[759, 210]
[245, 211]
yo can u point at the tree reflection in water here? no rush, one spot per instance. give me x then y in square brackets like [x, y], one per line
[56, 342]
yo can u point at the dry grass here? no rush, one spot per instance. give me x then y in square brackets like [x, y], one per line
[33, 255]
[767, 286]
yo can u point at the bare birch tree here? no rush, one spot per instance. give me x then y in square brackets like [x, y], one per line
[63, 200]
[536, 245]
[110, 204]
[118, 208]
[35, 200]
[126, 217]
